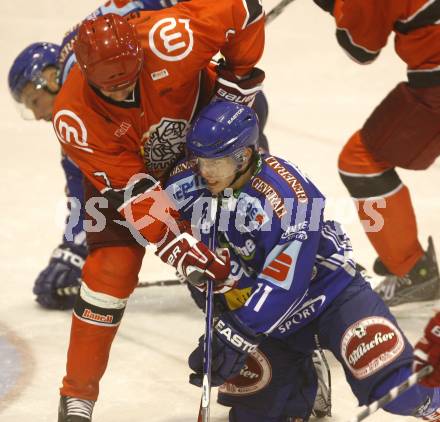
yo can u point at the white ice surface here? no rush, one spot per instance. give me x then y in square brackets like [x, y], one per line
[318, 98]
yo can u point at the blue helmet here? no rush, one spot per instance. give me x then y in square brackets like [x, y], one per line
[221, 129]
[29, 64]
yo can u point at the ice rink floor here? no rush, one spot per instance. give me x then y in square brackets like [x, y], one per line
[317, 97]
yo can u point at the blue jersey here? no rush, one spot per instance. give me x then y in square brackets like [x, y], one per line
[289, 262]
[74, 227]
[74, 231]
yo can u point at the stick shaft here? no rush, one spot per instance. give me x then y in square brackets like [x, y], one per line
[277, 10]
[209, 317]
[73, 290]
[393, 393]
[207, 355]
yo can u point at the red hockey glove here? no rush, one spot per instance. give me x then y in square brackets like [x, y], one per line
[427, 352]
[242, 90]
[220, 286]
[194, 260]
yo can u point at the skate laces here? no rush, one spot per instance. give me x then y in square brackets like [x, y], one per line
[389, 285]
[420, 273]
[79, 407]
[322, 399]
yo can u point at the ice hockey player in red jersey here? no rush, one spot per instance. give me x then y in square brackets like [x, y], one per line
[34, 79]
[427, 352]
[403, 131]
[122, 117]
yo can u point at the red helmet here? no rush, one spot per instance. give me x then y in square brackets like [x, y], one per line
[108, 52]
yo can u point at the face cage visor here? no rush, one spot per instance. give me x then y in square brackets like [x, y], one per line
[39, 83]
[115, 88]
[218, 168]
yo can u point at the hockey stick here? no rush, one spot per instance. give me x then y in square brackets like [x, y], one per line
[73, 290]
[207, 340]
[277, 10]
[393, 393]
[207, 356]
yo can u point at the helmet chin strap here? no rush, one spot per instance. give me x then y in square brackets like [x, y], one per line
[50, 91]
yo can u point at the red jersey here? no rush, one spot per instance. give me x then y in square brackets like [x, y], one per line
[363, 28]
[116, 143]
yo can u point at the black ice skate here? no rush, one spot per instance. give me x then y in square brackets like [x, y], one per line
[72, 409]
[380, 269]
[322, 406]
[421, 283]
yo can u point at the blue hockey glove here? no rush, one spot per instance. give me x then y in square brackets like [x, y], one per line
[231, 344]
[63, 270]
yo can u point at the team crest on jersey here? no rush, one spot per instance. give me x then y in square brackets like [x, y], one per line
[171, 39]
[163, 145]
[255, 375]
[70, 129]
[370, 344]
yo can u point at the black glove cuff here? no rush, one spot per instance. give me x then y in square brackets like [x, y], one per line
[235, 335]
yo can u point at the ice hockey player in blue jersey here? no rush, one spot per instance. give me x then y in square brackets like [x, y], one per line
[294, 284]
[35, 78]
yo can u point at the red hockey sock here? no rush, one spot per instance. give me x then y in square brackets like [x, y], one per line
[111, 272]
[396, 240]
[87, 358]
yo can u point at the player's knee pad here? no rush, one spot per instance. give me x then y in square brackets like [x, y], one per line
[369, 186]
[362, 174]
[99, 308]
[114, 270]
[355, 158]
[275, 381]
[419, 401]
